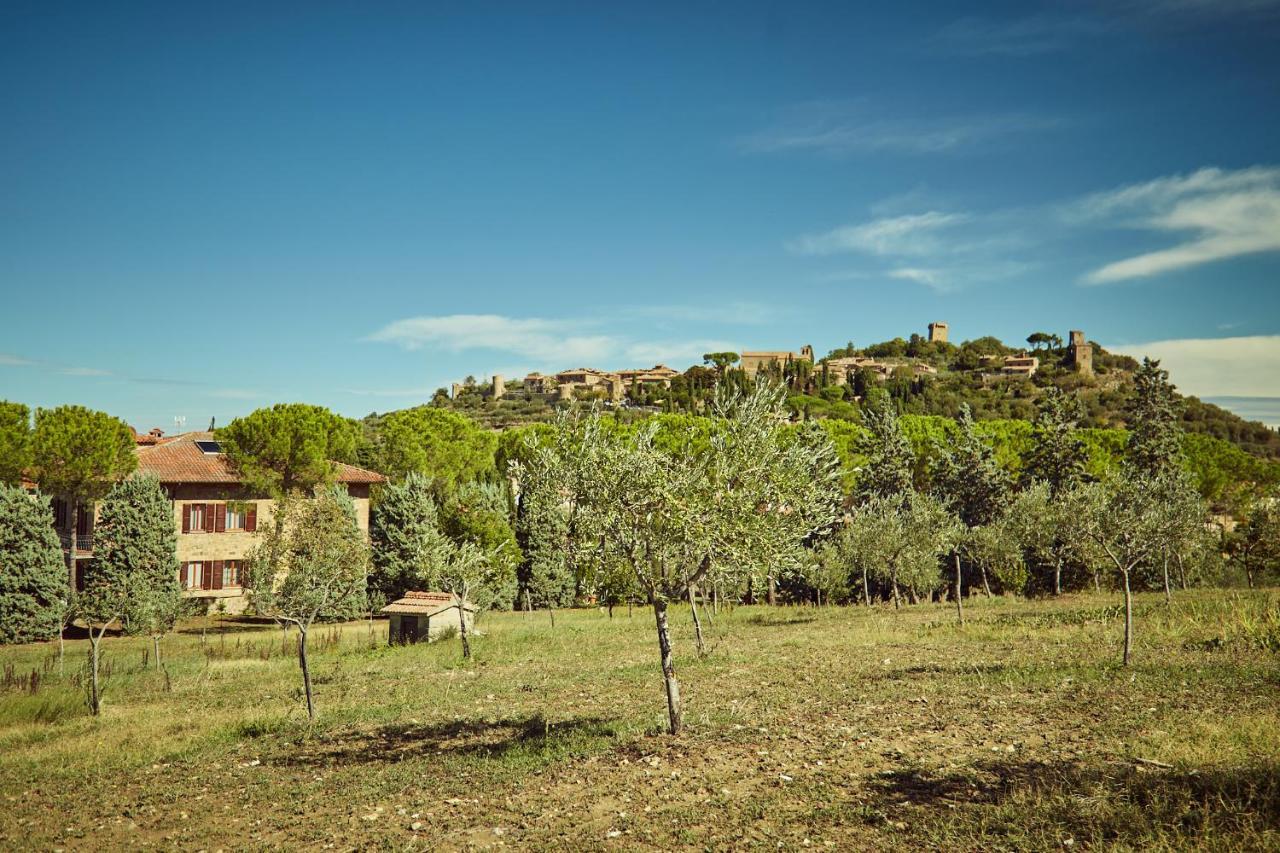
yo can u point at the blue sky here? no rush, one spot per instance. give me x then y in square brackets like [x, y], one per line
[208, 209]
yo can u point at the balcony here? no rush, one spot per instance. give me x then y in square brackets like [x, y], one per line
[84, 542]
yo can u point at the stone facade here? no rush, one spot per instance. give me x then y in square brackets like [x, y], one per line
[753, 362]
[938, 332]
[1080, 352]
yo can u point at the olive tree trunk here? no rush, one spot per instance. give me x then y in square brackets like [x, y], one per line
[959, 591]
[306, 671]
[95, 690]
[1128, 618]
[675, 715]
[462, 631]
[697, 623]
[1168, 590]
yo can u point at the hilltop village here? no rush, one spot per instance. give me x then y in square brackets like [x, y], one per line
[915, 371]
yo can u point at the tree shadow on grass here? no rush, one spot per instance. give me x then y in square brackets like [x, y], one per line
[490, 739]
[1099, 802]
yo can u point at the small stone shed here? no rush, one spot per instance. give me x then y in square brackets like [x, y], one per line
[425, 616]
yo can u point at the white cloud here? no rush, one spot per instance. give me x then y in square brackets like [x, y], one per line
[533, 338]
[1221, 214]
[929, 278]
[543, 344]
[84, 371]
[237, 394]
[847, 127]
[8, 360]
[1223, 367]
[911, 234]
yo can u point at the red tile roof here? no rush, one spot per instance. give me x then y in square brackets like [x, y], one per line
[177, 459]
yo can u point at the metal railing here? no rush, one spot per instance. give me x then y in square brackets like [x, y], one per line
[84, 541]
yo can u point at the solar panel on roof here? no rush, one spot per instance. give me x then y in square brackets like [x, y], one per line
[209, 446]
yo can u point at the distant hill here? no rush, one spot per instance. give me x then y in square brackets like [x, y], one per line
[969, 372]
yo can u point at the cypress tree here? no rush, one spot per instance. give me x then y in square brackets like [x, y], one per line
[137, 550]
[404, 531]
[1155, 438]
[33, 581]
[887, 474]
[1058, 455]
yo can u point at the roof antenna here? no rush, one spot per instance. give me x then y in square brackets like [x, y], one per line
[179, 421]
[211, 420]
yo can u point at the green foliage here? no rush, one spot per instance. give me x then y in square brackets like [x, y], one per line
[403, 530]
[33, 577]
[1155, 438]
[888, 472]
[446, 447]
[970, 480]
[79, 452]
[1057, 455]
[1255, 545]
[480, 514]
[896, 541]
[290, 447]
[313, 563]
[136, 551]
[15, 442]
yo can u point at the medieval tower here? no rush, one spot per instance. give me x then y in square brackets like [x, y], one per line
[1080, 352]
[938, 332]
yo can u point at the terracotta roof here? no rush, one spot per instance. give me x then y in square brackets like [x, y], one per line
[425, 603]
[177, 459]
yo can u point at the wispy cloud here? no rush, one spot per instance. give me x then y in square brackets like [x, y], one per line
[1029, 36]
[9, 360]
[84, 371]
[1044, 33]
[534, 338]
[912, 234]
[1219, 214]
[1239, 366]
[945, 251]
[843, 127]
[544, 343]
[237, 394]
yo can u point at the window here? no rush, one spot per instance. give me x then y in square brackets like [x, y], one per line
[197, 512]
[235, 516]
[232, 574]
[192, 576]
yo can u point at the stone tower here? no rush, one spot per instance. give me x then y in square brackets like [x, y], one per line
[1080, 352]
[806, 352]
[938, 332]
[498, 387]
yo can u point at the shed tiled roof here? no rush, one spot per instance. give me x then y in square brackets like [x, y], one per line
[425, 603]
[177, 459]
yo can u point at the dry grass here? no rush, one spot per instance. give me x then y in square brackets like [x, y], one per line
[840, 728]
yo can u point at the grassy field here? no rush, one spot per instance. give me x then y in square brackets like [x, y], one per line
[826, 728]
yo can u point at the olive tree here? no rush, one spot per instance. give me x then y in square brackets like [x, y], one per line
[313, 564]
[33, 583]
[745, 503]
[899, 544]
[1125, 522]
[1255, 545]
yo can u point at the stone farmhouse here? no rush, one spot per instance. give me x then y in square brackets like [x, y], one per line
[753, 362]
[214, 513]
